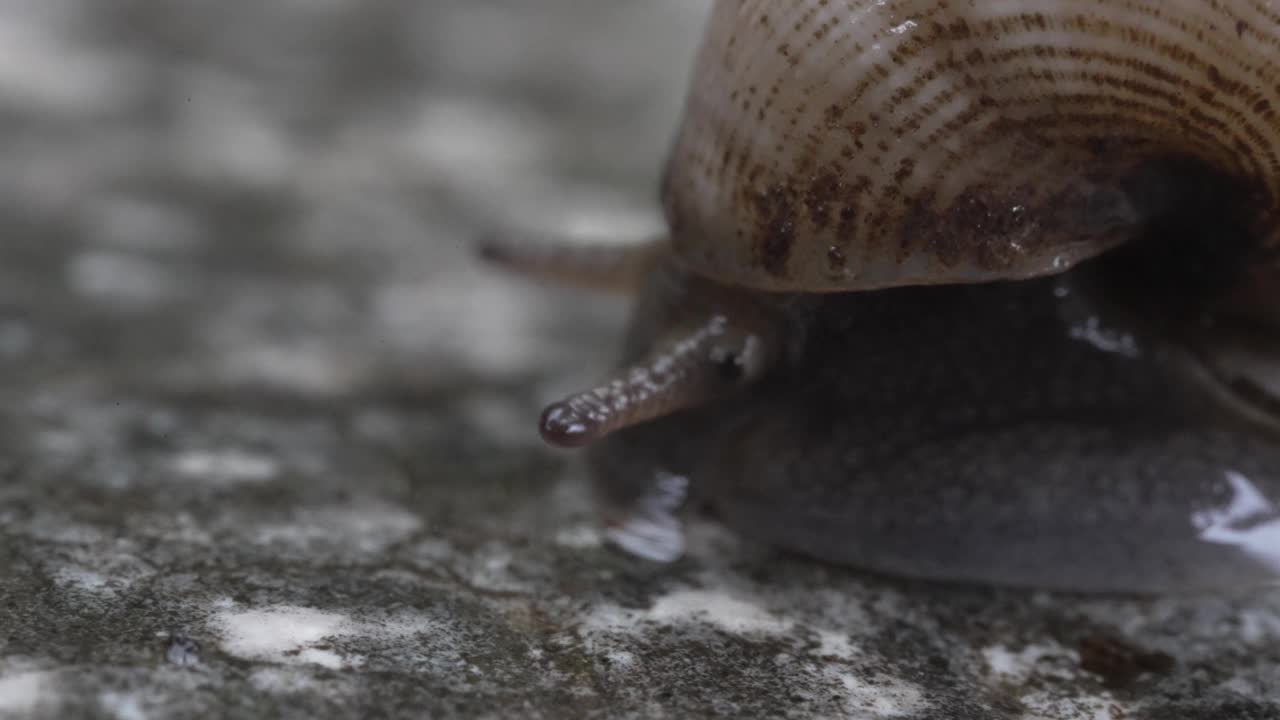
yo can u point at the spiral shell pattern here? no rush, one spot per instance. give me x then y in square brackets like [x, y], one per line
[834, 145]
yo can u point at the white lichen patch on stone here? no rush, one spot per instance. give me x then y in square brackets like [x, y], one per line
[1017, 666]
[292, 635]
[27, 691]
[620, 659]
[733, 614]
[716, 608]
[304, 680]
[825, 665]
[282, 634]
[740, 614]
[122, 706]
[81, 578]
[491, 570]
[880, 697]
[226, 465]
[98, 570]
[840, 617]
[1044, 705]
[1046, 680]
[836, 645]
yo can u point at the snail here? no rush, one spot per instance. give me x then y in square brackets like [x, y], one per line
[980, 292]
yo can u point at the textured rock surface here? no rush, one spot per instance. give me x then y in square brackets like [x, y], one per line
[265, 430]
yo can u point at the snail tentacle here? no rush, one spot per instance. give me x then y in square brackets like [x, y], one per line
[603, 267]
[702, 364]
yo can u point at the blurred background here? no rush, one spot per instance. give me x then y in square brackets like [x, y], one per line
[282, 193]
[267, 442]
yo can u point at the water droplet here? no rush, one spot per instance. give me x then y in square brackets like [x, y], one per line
[903, 28]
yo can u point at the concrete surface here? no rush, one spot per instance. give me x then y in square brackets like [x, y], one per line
[266, 431]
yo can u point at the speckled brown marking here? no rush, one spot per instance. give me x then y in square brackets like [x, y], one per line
[999, 217]
[846, 227]
[823, 192]
[776, 215]
[905, 168]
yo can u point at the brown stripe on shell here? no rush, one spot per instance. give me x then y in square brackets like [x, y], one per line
[846, 144]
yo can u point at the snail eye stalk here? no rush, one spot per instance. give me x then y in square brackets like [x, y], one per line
[690, 369]
[611, 267]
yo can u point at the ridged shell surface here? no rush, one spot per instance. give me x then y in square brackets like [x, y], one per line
[834, 145]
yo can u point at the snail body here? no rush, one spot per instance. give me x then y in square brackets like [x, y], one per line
[961, 291]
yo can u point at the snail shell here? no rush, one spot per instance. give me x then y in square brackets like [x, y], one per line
[836, 145]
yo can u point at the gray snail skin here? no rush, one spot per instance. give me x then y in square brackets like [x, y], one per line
[963, 290]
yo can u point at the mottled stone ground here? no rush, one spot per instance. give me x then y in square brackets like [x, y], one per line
[265, 429]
